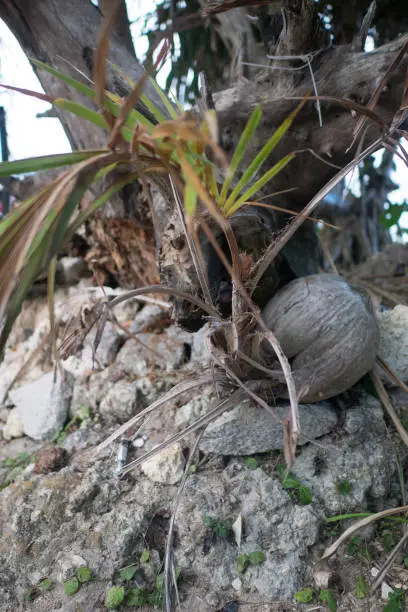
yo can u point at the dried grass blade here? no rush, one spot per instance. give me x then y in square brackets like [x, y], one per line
[273, 250]
[359, 525]
[226, 404]
[177, 390]
[167, 291]
[101, 55]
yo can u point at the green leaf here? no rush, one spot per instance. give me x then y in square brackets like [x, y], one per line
[393, 214]
[77, 85]
[114, 597]
[46, 162]
[82, 111]
[251, 463]
[305, 495]
[242, 563]
[290, 482]
[160, 582]
[229, 210]
[304, 596]
[110, 103]
[84, 573]
[327, 597]
[240, 151]
[127, 573]
[388, 541]
[137, 597]
[45, 584]
[217, 526]
[354, 545]
[395, 601]
[362, 588]
[344, 487]
[145, 556]
[257, 557]
[190, 199]
[166, 101]
[71, 586]
[259, 160]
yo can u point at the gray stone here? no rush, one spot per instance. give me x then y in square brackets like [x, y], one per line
[14, 427]
[4, 414]
[272, 524]
[193, 410]
[70, 270]
[111, 341]
[147, 316]
[248, 429]
[394, 340]
[165, 352]
[360, 460]
[166, 467]
[43, 405]
[119, 404]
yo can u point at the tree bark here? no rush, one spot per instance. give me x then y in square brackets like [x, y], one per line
[53, 29]
[57, 32]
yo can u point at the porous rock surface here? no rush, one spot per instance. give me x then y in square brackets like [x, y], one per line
[78, 511]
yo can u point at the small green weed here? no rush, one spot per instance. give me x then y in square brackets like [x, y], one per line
[395, 601]
[71, 586]
[344, 487]
[300, 494]
[84, 573]
[362, 588]
[304, 596]
[45, 584]
[15, 466]
[327, 597]
[114, 597]
[218, 527]
[251, 463]
[79, 421]
[254, 558]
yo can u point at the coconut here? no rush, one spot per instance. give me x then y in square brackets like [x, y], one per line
[328, 329]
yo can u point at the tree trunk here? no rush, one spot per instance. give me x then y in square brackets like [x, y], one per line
[64, 35]
[53, 29]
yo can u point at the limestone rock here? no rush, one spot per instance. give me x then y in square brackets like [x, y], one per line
[394, 340]
[14, 426]
[111, 341]
[119, 404]
[43, 405]
[166, 467]
[248, 429]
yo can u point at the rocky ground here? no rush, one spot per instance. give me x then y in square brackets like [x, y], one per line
[74, 536]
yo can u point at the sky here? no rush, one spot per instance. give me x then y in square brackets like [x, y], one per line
[29, 136]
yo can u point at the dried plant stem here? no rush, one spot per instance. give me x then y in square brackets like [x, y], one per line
[228, 403]
[194, 251]
[359, 525]
[169, 543]
[386, 566]
[177, 390]
[385, 399]
[167, 291]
